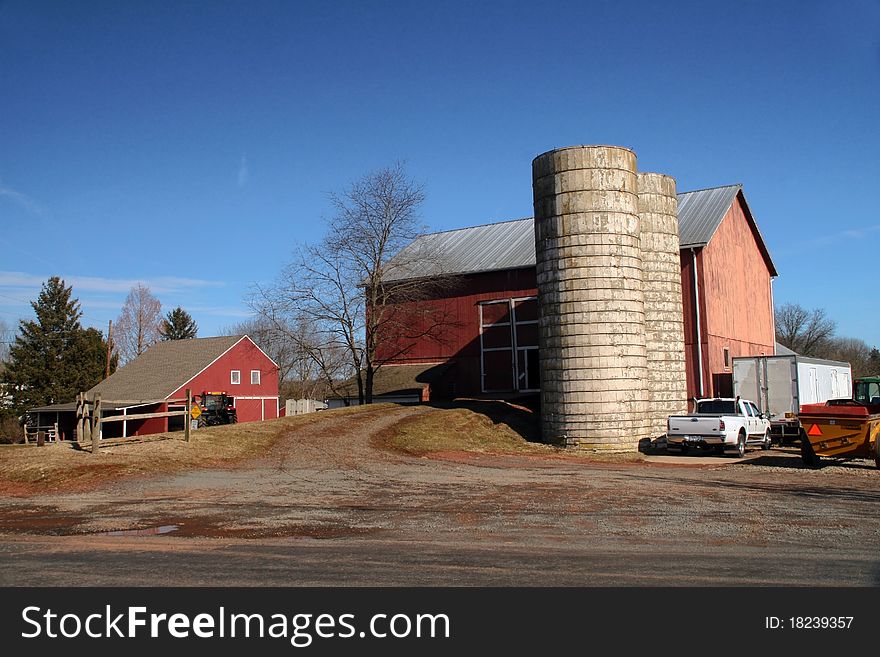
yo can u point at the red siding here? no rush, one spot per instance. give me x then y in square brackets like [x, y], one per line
[459, 340]
[736, 290]
[252, 401]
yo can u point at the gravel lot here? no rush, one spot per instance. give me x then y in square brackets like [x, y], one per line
[324, 507]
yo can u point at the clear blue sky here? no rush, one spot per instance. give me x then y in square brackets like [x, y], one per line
[191, 145]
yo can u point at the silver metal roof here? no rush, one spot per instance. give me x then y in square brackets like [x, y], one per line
[700, 213]
[505, 245]
[511, 244]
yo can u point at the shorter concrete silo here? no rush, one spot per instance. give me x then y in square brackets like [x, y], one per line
[664, 323]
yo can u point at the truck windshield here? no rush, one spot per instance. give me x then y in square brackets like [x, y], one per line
[717, 406]
[868, 392]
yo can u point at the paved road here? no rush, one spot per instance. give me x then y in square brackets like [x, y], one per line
[326, 508]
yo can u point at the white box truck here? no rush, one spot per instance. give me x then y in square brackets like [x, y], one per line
[781, 384]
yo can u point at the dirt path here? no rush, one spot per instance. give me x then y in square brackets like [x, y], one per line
[325, 507]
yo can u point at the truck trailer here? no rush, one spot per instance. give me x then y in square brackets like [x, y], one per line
[780, 385]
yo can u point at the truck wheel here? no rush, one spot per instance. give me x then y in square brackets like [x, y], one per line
[808, 456]
[741, 445]
[767, 441]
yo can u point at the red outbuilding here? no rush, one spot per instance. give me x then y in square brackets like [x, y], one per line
[155, 380]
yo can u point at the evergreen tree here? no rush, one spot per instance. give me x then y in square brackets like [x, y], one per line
[179, 325]
[54, 358]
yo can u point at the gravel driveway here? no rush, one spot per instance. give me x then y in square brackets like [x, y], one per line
[324, 507]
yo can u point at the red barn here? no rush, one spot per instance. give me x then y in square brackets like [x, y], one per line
[233, 364]
[491, 343]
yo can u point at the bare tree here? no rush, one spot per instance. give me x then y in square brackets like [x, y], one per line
[7, 337]
[291, 345]
[805, 332]
[360, 290]
[854, 351]
[139, 324]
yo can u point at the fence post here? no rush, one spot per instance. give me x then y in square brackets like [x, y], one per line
[79, 416]
[41, 438]
[187, 420]
[96, 427]
[87, 419]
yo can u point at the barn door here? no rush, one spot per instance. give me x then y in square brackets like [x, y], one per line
[525, 335]
[509, 345]
[496, 346]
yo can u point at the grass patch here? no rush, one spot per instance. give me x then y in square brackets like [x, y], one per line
[488, 427]
[63, 467]
[485, 427]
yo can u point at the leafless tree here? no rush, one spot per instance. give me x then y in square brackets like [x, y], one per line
[805, 332]
[854, 351]
[138, 325]
[6, 338]
[360, 290]
[290, 344]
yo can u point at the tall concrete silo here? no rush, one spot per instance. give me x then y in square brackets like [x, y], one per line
[664, 323]
[592, 325]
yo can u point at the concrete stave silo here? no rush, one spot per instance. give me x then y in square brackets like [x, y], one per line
[589, 272]
[667, 382]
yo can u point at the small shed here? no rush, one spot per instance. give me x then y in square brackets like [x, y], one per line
[148, 384]
[400, 384]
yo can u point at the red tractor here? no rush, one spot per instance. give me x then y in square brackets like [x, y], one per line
[217, 408]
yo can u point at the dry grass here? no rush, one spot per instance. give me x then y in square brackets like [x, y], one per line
[485, 427]
[64, 467]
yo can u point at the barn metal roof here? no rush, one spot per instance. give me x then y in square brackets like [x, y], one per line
[700, 213]
[511, 244]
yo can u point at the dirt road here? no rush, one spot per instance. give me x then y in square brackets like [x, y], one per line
[324, 507]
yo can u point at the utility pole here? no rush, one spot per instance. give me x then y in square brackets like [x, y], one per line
[109, 347]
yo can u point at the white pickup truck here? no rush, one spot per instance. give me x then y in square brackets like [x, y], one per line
[719, 424]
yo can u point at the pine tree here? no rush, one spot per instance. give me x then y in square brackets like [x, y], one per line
[53, 358]
[179, 325]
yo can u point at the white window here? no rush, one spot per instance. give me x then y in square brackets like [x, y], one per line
[235, 377]
[255, 377]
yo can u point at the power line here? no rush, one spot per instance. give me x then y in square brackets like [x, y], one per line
[6, 296]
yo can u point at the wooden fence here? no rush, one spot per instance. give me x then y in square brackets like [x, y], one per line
[90, 418]
[41, 434]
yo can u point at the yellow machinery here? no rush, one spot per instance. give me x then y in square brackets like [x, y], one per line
[843, 428]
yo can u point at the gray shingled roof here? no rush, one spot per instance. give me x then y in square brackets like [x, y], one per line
[782, 350]
[511, 244]
[399, 379]
[163, 368]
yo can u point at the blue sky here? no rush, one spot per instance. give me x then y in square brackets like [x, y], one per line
[191, 145]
